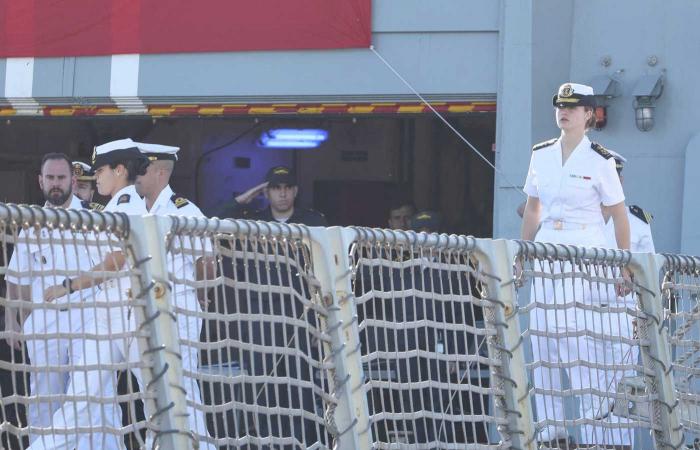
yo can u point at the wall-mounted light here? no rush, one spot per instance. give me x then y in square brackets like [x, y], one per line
[605, 88]
[647, 90]
[292, 138]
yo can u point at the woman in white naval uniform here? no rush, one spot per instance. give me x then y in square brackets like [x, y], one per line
[117, 164]
[568, 180]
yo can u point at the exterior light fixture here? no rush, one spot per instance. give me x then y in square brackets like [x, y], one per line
[605, 89]
[292, 138]
[647, 90]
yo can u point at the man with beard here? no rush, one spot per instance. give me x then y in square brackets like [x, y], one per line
[42, 258]
[281, 189]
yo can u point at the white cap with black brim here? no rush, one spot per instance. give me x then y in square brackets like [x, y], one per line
[115, 151]
[157, 152]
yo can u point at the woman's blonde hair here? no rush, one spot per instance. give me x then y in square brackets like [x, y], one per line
[590, 123]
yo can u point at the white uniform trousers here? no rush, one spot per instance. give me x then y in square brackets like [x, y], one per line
[582, 356]
[90, 382]
[48, 355]
[101, 384]
[189, 328]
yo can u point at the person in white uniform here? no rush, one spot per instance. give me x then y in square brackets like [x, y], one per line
[117, 164]
[161, 200]
[83, 181]
[40, 259]
[568, 180]
[641, 239]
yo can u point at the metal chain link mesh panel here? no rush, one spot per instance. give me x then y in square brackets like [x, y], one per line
[64, 355]
[681, 302]
[250, 321]
[423, 341]
[584, 348]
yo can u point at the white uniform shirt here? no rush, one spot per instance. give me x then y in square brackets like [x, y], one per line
[574, 191]
[181, 266]
[127, 201]
[38, 256]
[641, 240]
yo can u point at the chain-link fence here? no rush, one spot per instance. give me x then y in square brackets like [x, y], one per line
[250, 321]
[423, 340]
[63, 352]
[581, 332]
[680, 293]
[237, 334]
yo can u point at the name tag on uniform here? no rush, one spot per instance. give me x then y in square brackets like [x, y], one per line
[580, 177]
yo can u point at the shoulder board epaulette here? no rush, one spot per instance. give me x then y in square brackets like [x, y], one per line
[544, 144]
[179, 201]
[96, 206]
[602, 151]
[124, 198]
[640, 214]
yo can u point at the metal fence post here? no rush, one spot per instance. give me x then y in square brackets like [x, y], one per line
[330, 254]
[656, 352]
[496, 259]
[167, 412]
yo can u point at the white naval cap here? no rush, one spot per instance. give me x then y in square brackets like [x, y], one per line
[573, 94]
[157, 152]
[83, 171]
[115, 151]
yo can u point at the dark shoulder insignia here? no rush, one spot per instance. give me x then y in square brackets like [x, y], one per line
[96, 206]
[602, 151]
[179, 201]
[124, 198]
[544, 144]
[640, 214]
[85, 204]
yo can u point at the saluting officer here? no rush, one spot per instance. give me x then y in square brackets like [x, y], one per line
[37, 259]
[281, 189]
[641, 239]
[117, 164]
[161, 200]
[568, 179]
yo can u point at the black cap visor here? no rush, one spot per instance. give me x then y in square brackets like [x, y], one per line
[573, 101]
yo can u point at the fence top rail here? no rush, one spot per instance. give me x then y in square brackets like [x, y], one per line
[544, 250]
[32, 216]
[250, 228]
[681, 263]
[411, 238]
[203, 225]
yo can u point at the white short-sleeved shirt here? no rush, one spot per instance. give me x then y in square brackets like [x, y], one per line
[127, 201]
[574, 191]
[641, 240]
[37, 256]
[181, 266]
